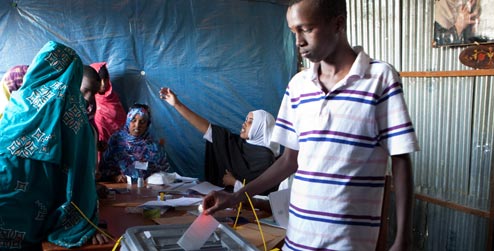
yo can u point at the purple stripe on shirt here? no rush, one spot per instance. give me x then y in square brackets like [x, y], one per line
[408, 124]
[390, 135]
[392, 86]
[305, 95]
[384, 98]
[362, 93]
[285, 127]
[283, 121]
[340, 141]
[347, 135]
[341, 216]
[376, 62]
[341, 183]
[340, 176]
[360, 100]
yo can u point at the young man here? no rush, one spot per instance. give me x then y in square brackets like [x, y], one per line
[339, 122]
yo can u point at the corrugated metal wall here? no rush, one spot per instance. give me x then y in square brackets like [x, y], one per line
[453, 117]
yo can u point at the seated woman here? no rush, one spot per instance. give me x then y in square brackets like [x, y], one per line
[132, 147]
[47, 164]
[245, 156]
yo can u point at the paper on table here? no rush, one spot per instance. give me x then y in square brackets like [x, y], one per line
[198, 232]
[205, 187]
[141, 165]
[279, 202]
[179, 188]
[184, 178]
[180, 202]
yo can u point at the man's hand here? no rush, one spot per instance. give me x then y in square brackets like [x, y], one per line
[218, 200]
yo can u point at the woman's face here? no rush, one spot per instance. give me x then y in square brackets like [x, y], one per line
[138, 125]
[244, 132]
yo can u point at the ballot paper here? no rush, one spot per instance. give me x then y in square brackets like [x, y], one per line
[179, 202]
[205, 187]
[279, 202]
[163, 178]
[179, 188]
[198, 232]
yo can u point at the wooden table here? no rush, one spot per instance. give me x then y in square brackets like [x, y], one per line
[113, 212]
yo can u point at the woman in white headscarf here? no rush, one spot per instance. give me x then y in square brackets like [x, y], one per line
[244, 156]
[455, 20]
[261, 130]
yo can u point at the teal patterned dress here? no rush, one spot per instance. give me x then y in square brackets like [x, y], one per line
[47, 156]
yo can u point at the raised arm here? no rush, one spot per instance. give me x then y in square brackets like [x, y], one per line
[197, 121]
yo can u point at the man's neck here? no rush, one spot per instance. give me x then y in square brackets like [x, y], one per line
[331, 72]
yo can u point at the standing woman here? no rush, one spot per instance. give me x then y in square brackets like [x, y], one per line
[110, 114]
[47, 156]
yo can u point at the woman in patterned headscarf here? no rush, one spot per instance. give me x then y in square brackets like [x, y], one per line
[11, 81]
[131, 151]
[47, 156]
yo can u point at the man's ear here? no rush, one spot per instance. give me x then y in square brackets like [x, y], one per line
[340, 23]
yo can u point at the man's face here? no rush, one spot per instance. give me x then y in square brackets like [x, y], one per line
[315, 38]
[244, 132]
[88, 89]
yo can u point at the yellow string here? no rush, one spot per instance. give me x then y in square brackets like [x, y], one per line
[238, 210]
[90, 222]
[257, 220]
[117, 244]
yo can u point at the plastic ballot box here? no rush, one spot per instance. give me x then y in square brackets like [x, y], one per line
[165, 238]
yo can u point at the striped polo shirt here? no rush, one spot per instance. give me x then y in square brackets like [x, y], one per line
[344, 139]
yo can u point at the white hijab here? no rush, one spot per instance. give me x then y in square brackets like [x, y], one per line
[261, 130]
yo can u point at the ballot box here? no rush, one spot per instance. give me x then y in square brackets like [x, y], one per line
[165, 238]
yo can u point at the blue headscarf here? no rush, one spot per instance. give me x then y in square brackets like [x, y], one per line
[125, 149]
[47, 156]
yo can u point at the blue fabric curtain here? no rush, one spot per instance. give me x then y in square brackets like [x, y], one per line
[223, 58]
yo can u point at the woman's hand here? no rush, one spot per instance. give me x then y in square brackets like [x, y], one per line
[228, 179]
[120, 178]
[99, 239]
[170, 97]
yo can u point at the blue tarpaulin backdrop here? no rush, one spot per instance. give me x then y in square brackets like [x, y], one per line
[223, 58]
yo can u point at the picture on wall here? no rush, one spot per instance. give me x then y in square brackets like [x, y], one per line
[463, 22]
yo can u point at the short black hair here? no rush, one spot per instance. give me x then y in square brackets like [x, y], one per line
[93, 77]
[327, 8]
[91, 73]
